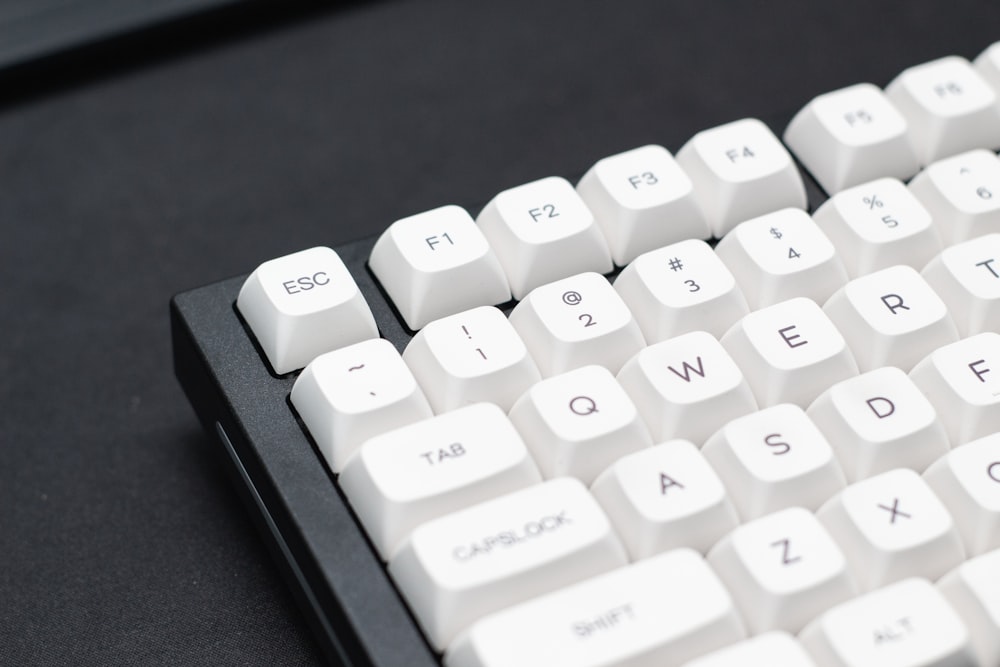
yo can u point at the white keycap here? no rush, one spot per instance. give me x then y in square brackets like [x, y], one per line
[877, 225]
[469, 357]
[664, 498]
[577, 321]
[578, 423]
[302, 305]
[642, 200]
[656, 613]
[987, 64]
[967, 276]
[773, 459]
[850, 136]
[950, 108]
[351, 394]
[437, 263]
[402, 478]
[770, 648]
[962, 194]
[783, 570]
[782, 255]
[908, 624]
[892, 526]
[962, 381]
[460, 567]
[891, 318]
[680, 288]
[878, 421]
[740, 171]
[790, 352]
[967, 481]
[542, 231]
[973, 589]
[686, 387]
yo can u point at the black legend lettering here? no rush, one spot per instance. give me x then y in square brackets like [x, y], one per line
[666, 481]
[895, 511]
[686, 369]
[306, 283]
[881, 406]
[435, 240]
[894, 302]
[788, 339]
[979, 373]
[443, 454]
[786, 557]
[772, 441]
[988, 265]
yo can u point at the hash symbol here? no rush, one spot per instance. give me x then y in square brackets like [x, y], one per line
[675, 264]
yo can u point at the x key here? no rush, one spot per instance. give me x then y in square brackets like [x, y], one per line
[925, 544]
[895, 510]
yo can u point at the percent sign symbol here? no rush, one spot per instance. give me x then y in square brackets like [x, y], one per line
[873, 202]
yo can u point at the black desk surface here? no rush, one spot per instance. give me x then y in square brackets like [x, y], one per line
[165, 163]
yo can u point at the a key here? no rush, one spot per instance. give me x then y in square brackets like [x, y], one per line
[578, 423]
[460, 567]
[680, 288]
[575, 322]
[782, 255]
[967, 480]
[878, 421]
[407, 476]
[659, 611]
[351, 394]
[665, 497]
[891, 318]
[302, 305]
[642, 200]
[790, 352]
[962, 381]
[542, 231]
[783, 570]
[907, 624]
[949, 107]
[437, 263]
[973, 589]
[967, 276]
[892, 526]
[686, 387]
[774, 459]
[469, 357]
[740, 171]
[962, 194]
[987, 64]
[850, 136]
[769, 648]
[878, 224]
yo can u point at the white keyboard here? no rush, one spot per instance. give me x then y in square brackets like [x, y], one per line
[669, 415]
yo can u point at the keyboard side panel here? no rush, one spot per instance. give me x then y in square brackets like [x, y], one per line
[327, 561]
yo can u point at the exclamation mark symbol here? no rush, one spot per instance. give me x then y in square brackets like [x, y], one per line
[469, 336]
